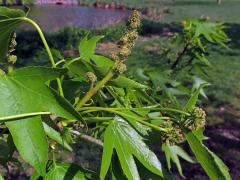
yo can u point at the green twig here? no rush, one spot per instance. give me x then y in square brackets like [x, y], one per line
[136, 109]
[138, 119]
[88, 138]
[47, 49]
[21, 116]
[94, 90]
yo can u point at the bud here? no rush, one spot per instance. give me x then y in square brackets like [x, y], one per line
[120, 68]
[124, 52]
[174, 135]
[12, 59]
[196, 120]
[12, 43]
[115, 57]
[91, 77]
[127, 41]
[134, 20]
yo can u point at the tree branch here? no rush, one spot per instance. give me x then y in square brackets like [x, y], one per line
[88, 138]
[180, 56]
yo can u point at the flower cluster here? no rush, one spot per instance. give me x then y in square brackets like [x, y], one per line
[127, 41]
[174, 134]
[91, 77]
[12, 58]
[196, 120]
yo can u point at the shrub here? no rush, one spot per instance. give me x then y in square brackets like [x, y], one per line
[89, 97]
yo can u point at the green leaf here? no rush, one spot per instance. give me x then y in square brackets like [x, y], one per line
[124, 82]
[193, 99]
[1, 178]
[202, 58]
[128, 143]
[24, 91]
[148, 175]
[30, 139]
[35, 176]
[211, 164]
[8, 22]
[56, 136]
[102, 63]
[67, 171]
[87, 47]
[173, 153]
[199, 134]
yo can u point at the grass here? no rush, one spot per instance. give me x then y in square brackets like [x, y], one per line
[223, 75]
[228, 11]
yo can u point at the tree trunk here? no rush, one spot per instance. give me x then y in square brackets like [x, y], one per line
[219, 2]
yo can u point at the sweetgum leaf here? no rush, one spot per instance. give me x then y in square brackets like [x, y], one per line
[211, 163]
[67, 171]
[24, 91]
[128, 144]
[8, 23]
[124, 82]
[87, 47]
[30, 139]
[194, 98]
[173, 153]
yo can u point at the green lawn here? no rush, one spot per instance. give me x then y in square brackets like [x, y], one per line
[223, 75]
[228, 11]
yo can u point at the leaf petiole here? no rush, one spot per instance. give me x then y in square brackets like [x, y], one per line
[22, 116]
[36, 26]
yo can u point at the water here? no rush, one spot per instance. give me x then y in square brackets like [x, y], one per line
[53, 17]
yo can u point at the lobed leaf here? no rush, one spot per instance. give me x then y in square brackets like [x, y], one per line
[211, 164]
[128, 143]
[193, 100]
[67, 171]
[30, 139]
[173, 153]
[87, 47]
[25, 91]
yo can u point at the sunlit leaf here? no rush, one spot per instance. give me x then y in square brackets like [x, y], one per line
[128, 144]
[67, 171]
[173, 153]
[193, 99]
[56, 136]
[87, 47]
[212, 164]
[24, 91]
[30, 139]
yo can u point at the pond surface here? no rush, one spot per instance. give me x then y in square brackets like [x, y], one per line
[53, 17]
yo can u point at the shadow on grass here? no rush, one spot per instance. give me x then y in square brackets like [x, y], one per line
[233, 31]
